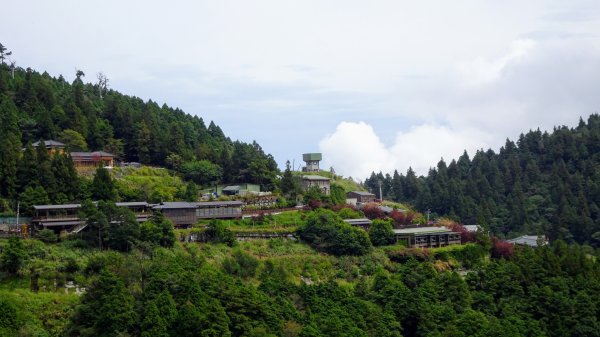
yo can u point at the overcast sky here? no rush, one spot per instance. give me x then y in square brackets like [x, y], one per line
[373, 85]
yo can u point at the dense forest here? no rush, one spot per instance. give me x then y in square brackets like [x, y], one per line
[545, 183]
[90, 116]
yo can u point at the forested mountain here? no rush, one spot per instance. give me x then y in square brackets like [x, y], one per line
[87, 116]
[545, 183]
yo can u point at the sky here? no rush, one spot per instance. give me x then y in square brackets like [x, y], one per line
[373, 85]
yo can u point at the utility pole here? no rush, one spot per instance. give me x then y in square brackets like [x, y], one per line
[428, 211]
[380, 194]
[18, 210]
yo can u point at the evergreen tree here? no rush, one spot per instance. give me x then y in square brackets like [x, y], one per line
[10, 147]
[103, 186]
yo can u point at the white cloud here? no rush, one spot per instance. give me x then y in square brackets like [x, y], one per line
[354, 149]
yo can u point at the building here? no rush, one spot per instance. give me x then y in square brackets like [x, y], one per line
[360, 196]
[219, 209]
[426, 237]
[181, 213]
[52, 146]
[87, 160]
[323, 183]
[141, 209]
[362, 223]
[529, 240]
[57, 217]
[312, 162]
[241, 189]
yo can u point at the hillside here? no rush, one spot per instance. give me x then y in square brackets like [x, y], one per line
[544, 183]
[281, 287]
[88, 116]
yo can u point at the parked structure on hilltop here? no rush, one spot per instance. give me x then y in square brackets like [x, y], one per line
[312, 162]
[323, 183]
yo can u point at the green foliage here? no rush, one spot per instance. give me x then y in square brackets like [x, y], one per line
[381, 233]
[242, 264]
[13, 256]
[46, 235]
[349, 213]
[337, 195]
[9, 320]
[158, 230]
[107, 308]
[326, 231]
[202, 172]
[33, 196]
[103, 186]
[216, 231]
[73, 140]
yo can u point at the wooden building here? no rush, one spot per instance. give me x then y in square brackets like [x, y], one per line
[361, 196]
[426, 237]
[323, 183]
[362, 223]
[57, 217]
[93, 160]
[219, 209]
[141, 209]
[52, 146]
[181, 213]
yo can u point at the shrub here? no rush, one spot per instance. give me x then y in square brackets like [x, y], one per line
[381, 233]
[327, 232]
[372, 211]
[47, 235]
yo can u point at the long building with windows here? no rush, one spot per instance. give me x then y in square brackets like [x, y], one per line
[426, 237]
[66, 217]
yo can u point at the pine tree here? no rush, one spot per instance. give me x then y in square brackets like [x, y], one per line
[10, 147]
[103, 186]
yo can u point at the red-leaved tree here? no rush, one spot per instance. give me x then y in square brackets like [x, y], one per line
[372, 211]
[502, 249]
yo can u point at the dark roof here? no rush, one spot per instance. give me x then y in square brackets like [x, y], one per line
[219, 203]
[91, 154]
[65, 206]
[315, 177]
[362, 193]
[175, 204]
[62, 223]
[132, 203]
[232, 188]
[49, 143]
[357, 222]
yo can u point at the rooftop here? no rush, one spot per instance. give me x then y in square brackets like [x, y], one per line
[362, 193]
[421, 230]
[91, 154]
[49, 143]
[529, 240]
[315, 177]
[219, 203]
[355, 222]
[175, 204]
[65, 206]
[131, 204]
